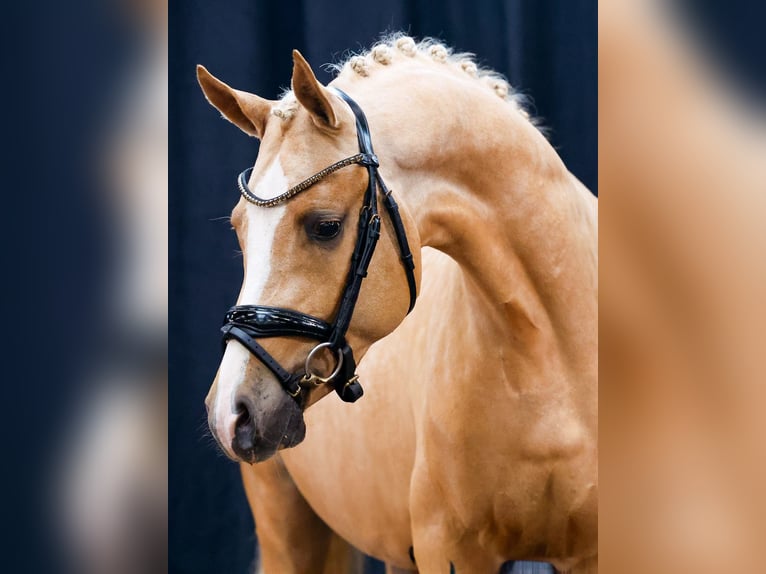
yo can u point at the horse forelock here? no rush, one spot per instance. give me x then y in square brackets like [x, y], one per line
[286, 106]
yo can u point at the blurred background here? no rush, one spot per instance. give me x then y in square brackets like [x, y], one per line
[546, 49]
[682, 273]
[85, 344]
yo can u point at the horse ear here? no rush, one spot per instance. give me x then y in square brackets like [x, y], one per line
[311, 94]
[245, 110]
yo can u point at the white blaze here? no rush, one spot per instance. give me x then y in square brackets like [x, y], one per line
[262, 223]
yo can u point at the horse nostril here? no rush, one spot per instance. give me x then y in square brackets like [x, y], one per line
[243, 414]
[244, 431]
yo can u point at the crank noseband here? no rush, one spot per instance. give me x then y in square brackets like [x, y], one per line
[248, 323]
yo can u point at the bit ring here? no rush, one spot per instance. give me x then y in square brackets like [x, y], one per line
[311, 377]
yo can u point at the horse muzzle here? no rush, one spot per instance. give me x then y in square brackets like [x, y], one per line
[251, 419]
[258, 435]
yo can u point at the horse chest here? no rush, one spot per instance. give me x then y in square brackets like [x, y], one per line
[354, 470]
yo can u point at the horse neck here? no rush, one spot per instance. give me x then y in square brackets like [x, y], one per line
[486, 188]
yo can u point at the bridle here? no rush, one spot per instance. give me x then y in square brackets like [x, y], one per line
[247, 323]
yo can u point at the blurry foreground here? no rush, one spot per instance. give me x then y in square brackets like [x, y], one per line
[108, 490]
[682, 176]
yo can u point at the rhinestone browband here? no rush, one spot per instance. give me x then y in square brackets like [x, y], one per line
[360, 158]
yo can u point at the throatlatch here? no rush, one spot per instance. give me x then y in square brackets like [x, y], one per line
[247, 323]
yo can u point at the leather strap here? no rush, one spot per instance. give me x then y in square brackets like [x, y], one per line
[264, 321]
[392, 208]
[365, 145]
[362, 128]
[288, 381]
[347, 384]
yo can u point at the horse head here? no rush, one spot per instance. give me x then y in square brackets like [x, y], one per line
[299, 224]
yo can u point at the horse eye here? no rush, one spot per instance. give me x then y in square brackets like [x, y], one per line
[326, 230]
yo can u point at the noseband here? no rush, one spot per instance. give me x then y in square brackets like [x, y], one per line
[247, 323]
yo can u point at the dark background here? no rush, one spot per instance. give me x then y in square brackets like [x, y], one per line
[546, 49]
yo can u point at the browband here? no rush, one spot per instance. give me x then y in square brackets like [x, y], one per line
[244, 177]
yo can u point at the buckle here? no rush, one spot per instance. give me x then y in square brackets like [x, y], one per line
[369, 160]
[351, 381]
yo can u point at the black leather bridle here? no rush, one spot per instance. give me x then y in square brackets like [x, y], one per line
[247, 323]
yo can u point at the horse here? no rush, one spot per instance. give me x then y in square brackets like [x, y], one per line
[476, 440]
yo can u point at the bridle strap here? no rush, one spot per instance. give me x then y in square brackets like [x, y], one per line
[368, 231]
[264, 321]
[288, 381]
[362, 127]
[244, 177]
[246, 323]
[392, 208]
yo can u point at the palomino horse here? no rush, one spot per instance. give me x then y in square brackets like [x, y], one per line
[476, 441]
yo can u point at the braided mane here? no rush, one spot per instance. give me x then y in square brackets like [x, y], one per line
[400, 47]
